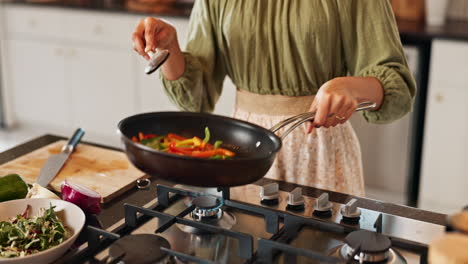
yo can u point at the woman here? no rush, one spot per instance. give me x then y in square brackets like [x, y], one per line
[287, 57]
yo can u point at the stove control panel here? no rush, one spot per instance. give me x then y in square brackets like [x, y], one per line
[351, 212]
[323, 206]
[270, 194]
[295, 200]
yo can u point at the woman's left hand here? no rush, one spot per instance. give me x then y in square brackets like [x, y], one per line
[337, 99]
[334, 104]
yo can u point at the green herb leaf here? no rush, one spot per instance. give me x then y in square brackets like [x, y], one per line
[22, 236]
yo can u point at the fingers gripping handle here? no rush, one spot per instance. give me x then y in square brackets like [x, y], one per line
[308, 116]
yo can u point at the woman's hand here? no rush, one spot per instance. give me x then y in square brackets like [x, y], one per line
[153, 33]
[337, 99]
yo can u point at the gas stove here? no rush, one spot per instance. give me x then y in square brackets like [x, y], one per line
[255, 224]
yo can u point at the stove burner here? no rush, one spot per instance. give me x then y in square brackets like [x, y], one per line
[370, 242]
[390, 257]
[374, 248]
[140, 249]
[207, 207]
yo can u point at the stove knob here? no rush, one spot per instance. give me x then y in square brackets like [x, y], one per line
[270, 194]
[295, 200]
[323, 206]
[350, 212]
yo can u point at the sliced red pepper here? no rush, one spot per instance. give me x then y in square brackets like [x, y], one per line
[175, 149]
[149, 136]
[224, 152]
[203, 154]
[141, 136]
[172, 136]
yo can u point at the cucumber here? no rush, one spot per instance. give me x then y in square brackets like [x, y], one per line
[12, 187]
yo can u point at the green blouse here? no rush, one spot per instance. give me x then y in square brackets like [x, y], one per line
[292, 47]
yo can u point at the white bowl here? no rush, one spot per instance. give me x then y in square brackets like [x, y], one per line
[71, 216]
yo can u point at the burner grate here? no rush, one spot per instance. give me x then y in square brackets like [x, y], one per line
[245, 241]
[267, 250]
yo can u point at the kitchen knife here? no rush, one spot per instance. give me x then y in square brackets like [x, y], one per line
[55, 162]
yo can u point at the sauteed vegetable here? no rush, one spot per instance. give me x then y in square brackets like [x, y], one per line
[193, 147]
[24, 235]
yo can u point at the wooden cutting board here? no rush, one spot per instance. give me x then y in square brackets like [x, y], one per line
[106, 171]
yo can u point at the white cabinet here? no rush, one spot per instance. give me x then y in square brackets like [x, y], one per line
[444, 177]
[102, 88]
[59, 79]
[40, 23]
[68, 68]
[151, 96]
[151, 91]
[36, 83]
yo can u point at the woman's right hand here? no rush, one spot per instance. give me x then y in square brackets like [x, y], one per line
[153, 33]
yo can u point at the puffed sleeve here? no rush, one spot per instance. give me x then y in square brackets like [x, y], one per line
[200, 86]
[372, 48]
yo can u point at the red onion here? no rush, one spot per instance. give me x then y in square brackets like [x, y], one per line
[86, 199]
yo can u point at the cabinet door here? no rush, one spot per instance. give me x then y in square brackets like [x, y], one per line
[102, 86]
[153, 98]
[151, 95]
[35, 83]
[444, 179]
[24, 21]
[151, 91]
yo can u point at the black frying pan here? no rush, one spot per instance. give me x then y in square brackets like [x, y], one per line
[255, 147]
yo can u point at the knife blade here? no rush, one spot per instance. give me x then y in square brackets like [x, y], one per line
[55, 162]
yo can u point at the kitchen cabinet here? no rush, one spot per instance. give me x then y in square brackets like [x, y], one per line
[37, 91]
[69, 68]
[444, 180]
[61, 79]
[102, 91]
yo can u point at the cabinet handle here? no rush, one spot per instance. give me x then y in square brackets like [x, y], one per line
[32, 22]
[72, 52]
[439, 97]
[98, 30]
[59, 52]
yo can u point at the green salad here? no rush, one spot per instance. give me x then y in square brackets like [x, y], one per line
[24, 235]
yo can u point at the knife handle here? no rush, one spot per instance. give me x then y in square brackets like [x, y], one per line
[74, 140]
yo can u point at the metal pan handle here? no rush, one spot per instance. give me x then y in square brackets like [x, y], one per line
[299, 119]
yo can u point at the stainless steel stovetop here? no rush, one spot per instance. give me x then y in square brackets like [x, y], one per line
[256, 224]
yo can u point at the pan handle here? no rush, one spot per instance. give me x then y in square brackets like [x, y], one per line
[299, 119]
